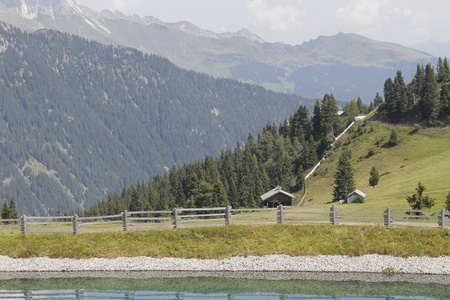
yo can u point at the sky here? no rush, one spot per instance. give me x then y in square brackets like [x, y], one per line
[406, 22]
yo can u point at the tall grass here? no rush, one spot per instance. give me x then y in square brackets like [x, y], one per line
[234, 240]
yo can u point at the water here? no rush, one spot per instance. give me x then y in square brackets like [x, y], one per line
[139, 286]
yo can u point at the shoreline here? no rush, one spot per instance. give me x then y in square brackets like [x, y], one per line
[371, 264]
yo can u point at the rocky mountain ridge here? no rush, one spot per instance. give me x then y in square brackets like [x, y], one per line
[310, 69]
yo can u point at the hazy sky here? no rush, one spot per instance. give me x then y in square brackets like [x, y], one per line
[406, 22]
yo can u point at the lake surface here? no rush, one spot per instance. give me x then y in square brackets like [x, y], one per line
[222, 286]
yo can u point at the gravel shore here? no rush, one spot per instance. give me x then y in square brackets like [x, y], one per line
[271, 263]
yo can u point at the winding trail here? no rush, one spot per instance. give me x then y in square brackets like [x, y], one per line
[323, 158]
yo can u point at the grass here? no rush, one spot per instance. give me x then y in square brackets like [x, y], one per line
[234, 240]
[420, 156]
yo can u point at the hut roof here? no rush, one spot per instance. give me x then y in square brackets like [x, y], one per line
[275, 191]
[357, 192]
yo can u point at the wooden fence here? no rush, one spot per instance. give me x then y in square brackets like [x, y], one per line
[222, 216]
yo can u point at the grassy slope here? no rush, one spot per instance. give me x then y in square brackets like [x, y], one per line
[421, 156]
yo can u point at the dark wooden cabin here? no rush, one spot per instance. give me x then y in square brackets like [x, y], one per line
[276, 197]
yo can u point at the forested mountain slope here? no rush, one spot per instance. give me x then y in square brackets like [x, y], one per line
[79, 119]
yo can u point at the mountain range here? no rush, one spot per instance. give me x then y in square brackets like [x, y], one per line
[348, 65]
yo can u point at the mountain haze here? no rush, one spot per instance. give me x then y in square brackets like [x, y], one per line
[79, 119]
[310, 69]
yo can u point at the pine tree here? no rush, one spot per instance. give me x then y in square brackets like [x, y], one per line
[429, 103]
[351, 110]
[343, 178]
[447, 202]
[418, 200]
[389, 95]
[374, 177]
[329, 121]
[5, 211]
[378, 100]
[220, 198]
[400, 93]
[393, 139]
[13, 209]
[445, 100]
[316, 119]
[362, 108]
[443, 70]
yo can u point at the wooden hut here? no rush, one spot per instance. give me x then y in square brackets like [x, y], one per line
[276, 197]
[353, 196]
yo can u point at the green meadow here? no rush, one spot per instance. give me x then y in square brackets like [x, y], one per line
[422, 155]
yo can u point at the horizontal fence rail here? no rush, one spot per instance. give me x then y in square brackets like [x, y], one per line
[222, 216]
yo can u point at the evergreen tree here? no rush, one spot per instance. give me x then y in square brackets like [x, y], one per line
[299, 123]
[443, 70]
[394, 139]
[351, 110]
[418, 200]
[374, 177]
[400, 93]
[13, 209]
[445, 101]
[344, 183]
[378, 100]
[316, 119]
[329, 121]
[389, 95]
[418, 82]
[447, 202]
[5, 211]
[362, 108]
[429, 103]
[220, 198]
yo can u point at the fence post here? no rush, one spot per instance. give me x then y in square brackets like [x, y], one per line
[333, 215]
[23, 224]
[175, 218]
[280, 215]
[387, 217]
[228, 217]
[75, 224]
[125, 220]
[442, 219]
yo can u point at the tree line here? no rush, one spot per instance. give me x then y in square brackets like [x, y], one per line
[279, 155]
[426, 98]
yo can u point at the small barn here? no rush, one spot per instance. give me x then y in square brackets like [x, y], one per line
[276, 197]
[353, 196]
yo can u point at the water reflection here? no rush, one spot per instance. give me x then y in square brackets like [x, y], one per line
[217, 288]
[136, 295]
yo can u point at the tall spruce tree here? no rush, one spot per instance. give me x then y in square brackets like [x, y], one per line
[429, 103]
[13, 209]
[418, 82]
[5, 211]
[400, 93]
[329, 120]
[389, 95]
[344, 183]
[443, 70]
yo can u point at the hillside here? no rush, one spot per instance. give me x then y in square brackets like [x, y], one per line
[420, 156]
[311, 69]
[80, 119]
